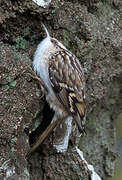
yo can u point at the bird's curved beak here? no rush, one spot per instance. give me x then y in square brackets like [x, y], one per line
[47, 33]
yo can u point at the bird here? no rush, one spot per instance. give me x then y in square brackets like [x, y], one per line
[62, 78]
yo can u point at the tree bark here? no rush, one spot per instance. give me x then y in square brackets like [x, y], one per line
[92, 31]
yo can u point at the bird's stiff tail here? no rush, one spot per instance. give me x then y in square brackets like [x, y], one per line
[80, 124]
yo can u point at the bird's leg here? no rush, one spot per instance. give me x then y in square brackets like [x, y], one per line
[34, 76]
[37, 78]
[44, 135]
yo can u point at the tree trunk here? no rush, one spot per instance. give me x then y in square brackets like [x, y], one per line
[92, 31]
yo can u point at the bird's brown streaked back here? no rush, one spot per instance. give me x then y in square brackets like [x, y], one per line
[67, 81]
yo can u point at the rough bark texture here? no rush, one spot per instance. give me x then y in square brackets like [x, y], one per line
[90, 29]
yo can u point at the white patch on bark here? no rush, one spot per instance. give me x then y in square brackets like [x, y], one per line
[9, 170]
[42, 3]
[94, 175]
[63, 145]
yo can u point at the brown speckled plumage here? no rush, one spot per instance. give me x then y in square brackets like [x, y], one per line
[67, 80]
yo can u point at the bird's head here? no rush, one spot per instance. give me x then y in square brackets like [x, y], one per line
[54, 41]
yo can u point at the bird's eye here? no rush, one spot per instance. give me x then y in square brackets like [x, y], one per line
[54, 41]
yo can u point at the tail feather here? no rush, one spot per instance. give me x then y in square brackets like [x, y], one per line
[81, 125]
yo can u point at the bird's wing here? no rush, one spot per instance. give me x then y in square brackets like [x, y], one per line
[67, 81]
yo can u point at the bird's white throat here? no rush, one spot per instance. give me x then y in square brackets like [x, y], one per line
[40, 64]
[42, 50]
